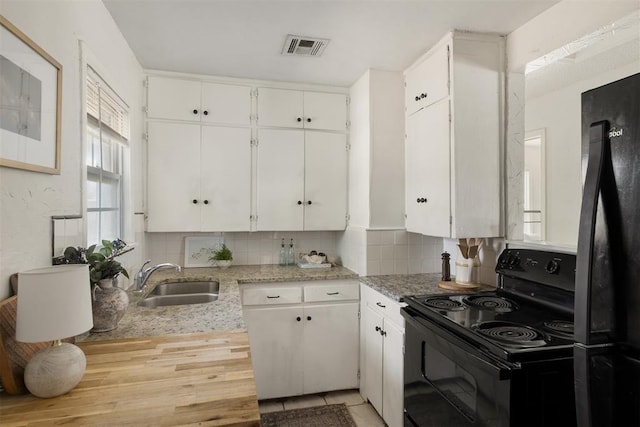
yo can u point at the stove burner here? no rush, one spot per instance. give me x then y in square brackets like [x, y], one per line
[444, 303]
[511, 334]
[499, 304]
[561, 327]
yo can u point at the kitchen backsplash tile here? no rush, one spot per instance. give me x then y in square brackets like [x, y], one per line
[248, 248]
[382, 252]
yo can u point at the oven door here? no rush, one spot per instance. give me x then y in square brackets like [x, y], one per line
[449, 382]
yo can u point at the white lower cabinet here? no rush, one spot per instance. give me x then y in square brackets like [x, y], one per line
[276, 342]
[382, 340]
[303, 336]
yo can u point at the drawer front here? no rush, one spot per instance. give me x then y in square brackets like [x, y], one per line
[384, 305]
[338, 291]
[271, 296]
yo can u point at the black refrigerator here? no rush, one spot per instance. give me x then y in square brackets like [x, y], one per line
[607, 297]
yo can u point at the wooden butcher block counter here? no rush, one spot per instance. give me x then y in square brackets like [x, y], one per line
[203, 379]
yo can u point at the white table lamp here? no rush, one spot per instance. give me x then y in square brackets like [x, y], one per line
[54, 303]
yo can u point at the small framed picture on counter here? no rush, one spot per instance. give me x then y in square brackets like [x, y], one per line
[197, 250]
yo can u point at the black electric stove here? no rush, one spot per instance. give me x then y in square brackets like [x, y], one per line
[499, 358]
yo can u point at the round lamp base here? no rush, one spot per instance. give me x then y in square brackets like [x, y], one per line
[55, 370]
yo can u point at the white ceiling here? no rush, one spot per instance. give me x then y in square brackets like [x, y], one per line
[244, 38]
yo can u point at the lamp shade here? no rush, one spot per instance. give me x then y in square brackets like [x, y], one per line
[53, 303]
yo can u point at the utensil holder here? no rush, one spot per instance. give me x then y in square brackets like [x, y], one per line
[468, 270]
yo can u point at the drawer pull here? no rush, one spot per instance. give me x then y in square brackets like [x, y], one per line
[277, 296]
[298, 318]
[381, 305]
[333, 293]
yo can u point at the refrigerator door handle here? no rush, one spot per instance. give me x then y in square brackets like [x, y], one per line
[598, 143]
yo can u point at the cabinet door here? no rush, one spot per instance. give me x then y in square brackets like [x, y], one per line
[280, 180]
[327, 328]
[325, 190]
[280, 107]
[393, 375]
[173, 99]
[225, 186]
[276, 341]
[327, 111]
[173, 177]
[428, 82]
[226, 104]
[371, 324]
[428, 176]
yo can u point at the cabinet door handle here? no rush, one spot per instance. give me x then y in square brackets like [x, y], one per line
[270, 297]
[308, 119]
[333, 293]
[194, 201]
[423, 95]
[377, 328]
[417, 98]
[383, 332]
[195, 111]
[381, 305]
[299, 119]
[308, 317]
[309, 202]
[205, 112]
[299, 202]
[206, 202]
[298, 318]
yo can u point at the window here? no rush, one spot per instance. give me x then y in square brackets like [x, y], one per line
[107, 146]
[534, 186]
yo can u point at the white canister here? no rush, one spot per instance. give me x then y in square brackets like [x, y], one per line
[468, 270]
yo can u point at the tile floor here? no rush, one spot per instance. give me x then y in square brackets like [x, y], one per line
[362, 412]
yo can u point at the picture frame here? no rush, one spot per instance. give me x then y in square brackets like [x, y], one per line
[30, 103]
[197, 250]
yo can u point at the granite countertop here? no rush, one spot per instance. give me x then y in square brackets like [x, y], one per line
[225, 314]
[397, 287]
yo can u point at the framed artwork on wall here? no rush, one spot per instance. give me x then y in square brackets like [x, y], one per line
[30, 103]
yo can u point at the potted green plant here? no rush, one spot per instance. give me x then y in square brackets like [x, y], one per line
[222, 257]
[102, 263]
[109, 301]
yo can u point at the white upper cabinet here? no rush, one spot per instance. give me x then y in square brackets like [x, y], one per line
[326, 111]
[454, 138]
[428, 82]
[302, 109]
[428, 196]
[178, 99]
[225, 178]
[173, 177]
[301, 180]
[280, 179]
[199, 178]
[325, 183]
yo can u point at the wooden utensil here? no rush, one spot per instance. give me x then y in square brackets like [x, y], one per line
[464, 248]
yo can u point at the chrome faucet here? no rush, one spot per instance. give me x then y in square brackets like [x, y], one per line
[144, 274]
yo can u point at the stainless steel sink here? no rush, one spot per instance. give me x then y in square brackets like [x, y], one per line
[180, 293]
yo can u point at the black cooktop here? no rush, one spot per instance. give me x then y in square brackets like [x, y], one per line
[506, 325]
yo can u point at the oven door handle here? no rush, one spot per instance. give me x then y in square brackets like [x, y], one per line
[497, 367]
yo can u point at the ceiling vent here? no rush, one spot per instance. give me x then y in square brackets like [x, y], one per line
[305, 46]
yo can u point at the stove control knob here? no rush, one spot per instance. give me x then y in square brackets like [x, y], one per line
[552, 267]
[514, 261]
